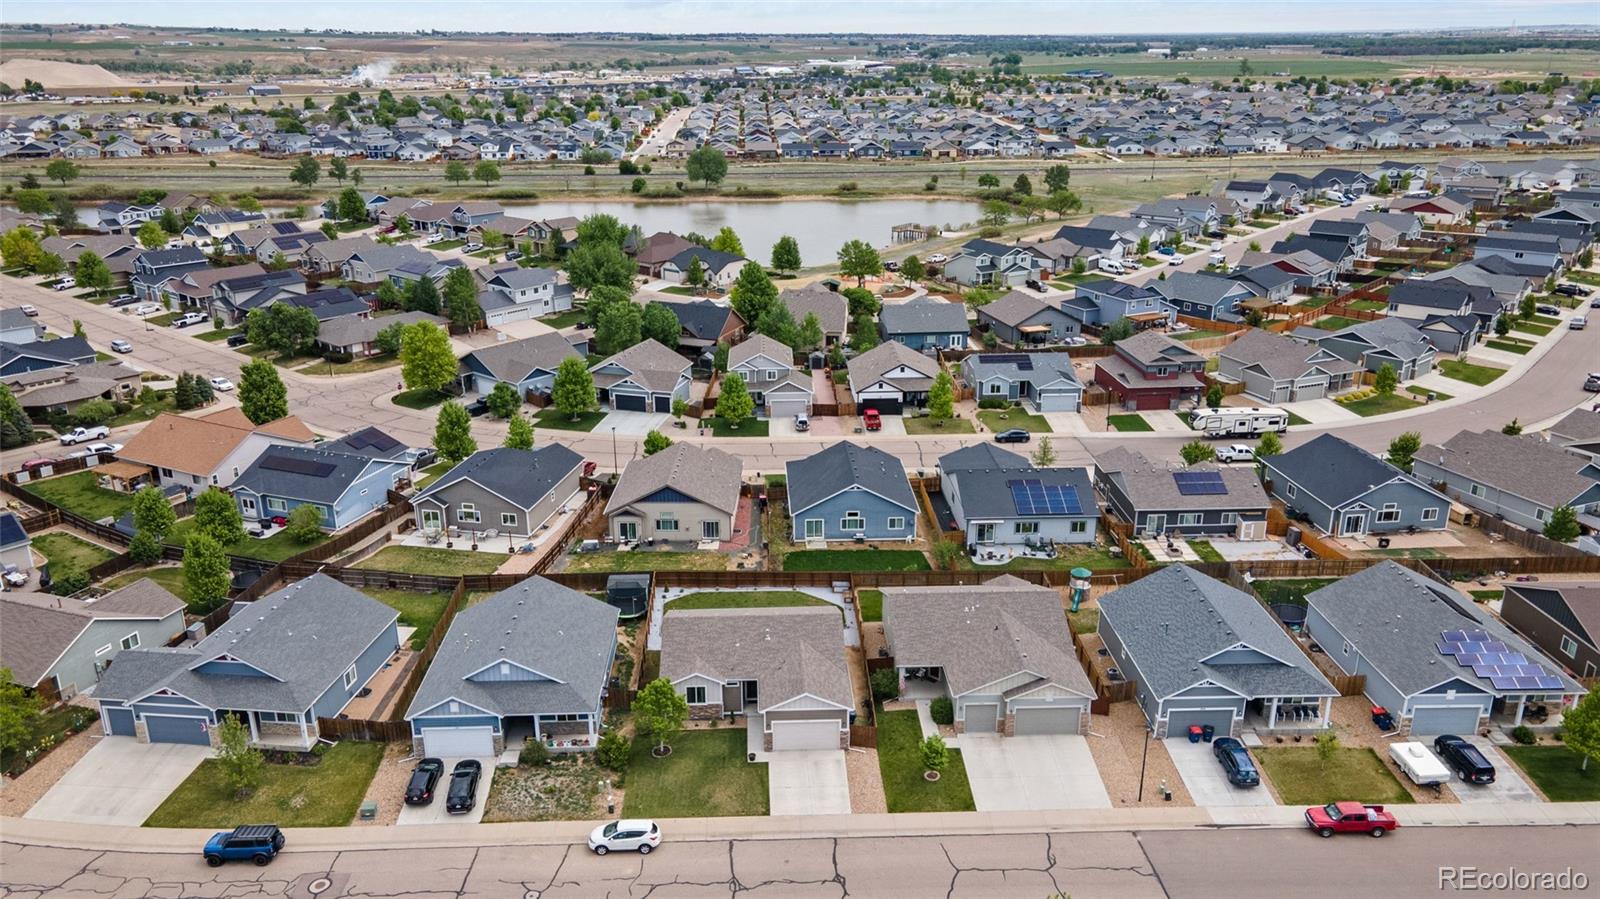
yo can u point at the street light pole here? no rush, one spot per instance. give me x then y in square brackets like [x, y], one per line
[614, 452]
[1142, 759]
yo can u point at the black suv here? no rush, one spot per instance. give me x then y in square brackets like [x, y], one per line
[1464, 759]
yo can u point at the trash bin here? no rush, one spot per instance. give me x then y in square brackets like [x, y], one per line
[1209, 732]
[1383, 542]
[1194, 733]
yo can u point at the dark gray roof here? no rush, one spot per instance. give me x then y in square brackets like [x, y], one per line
[986, 492]
[1173, 620]
[703, 319]
[1036, 368]
[1197, 287]
[177, 256]
[789, 652]
[63, 350]
[1149, 485]
[1333, 470]
[981, 456]
[924, 316]
[539, 625]
[514, 360]
[1521, 465]
[312, 474]
[370, 442]
[1014, 308]
[521, 476]
[842, 466]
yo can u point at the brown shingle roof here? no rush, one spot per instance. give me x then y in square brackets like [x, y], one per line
[36, 629]
[199, 445]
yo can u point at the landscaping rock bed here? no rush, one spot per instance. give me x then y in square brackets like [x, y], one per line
[567, 789]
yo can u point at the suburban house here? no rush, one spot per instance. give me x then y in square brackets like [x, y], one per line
[1266, 282]
[1151, 371]
[1021, 319]
[512, 293]
[195, 290]
[1100, 303]
[63, 646]
[924, 323]
[47, 390]
[209, 450]
[1156, 498]
[777, 387]
[683, 493]
[234, 298]
[1203, 654]
[1442, 209]
[261, 667]
[1277, 369]
[1419, 644]
[1577, 432]
[849, 492]
[1444, 311]
[1374, 344]
[645, 377]
[17, 326]
[529, 662]
[997, 497]
[512, 491]
[357, 334]
[344, 479]
[528, 364]
[703, 324]
[1000, 651]
[1561, 618]
[1204, 295]
[16, 358]
[830, 307]
[657, 250]
[1046, 382]
[782, 668]
[984, 262]
[1520, 479]
[153, 268]
[1346, 491]
[891, 376]
[1543, 250]
[720, 269]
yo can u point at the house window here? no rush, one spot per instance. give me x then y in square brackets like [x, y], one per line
[276, 505]
[103, 650]
[1190, 519]
[278, 717]
[1569, 647]
[468, 512]
[772, 374]
[1288, 490]
[1476, 490]
[1026, 527]
[1430, 514]
[1078, 527]
[695, 695]
[214, 480]
[350, 677]
[130, 641]
[561, 718]
[897, 523]
[1229, 518]
[508, 519]
[1389, 514]
[852, 521]
[711, 530]
[666, 523]
[996, 388]
[1540, 515]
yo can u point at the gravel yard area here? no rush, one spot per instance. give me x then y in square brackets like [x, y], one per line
[866, 782]
[567, 789]
[388, 786]
[1352, 721]
[1117, 742]
[872, 638]
[17, 796]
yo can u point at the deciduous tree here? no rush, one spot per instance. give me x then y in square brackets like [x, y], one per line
[658, 323]
[306, 172]
[941, 398]
[487, 172]
[1385, 381]
[1402, 449]
[753, 293]
[91, 271]
[520, 434]
[452, 433]
[1197, 451]
[461, 298]
[734, 403]
[655, 442]
[786, 254]
[659, 711]
[206, 575]
[261, 392]
[706, 164]
[283, 328]
[503, 401]
[150, 236]
[427, 361]
[572, 391]
[351, 208]
[727, 241]
[19, 713]
[456, 172]
[619, 326]
[62, 170]
[1580, 728]
[216, 515]
[858, 259]
[305, 524]
[242, 765]
[1044, 455]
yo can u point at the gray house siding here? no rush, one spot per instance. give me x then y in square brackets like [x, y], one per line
[1489, 500]
[1059, 530]
[1350, 661]
[1148, 703]
[370, 662]
[425, 721]
[919, 342]
[492, 509]
[79, 667]
[1061, 325]
[874, 509]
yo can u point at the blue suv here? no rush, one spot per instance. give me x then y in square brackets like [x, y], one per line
[259, 843]
[1236, 763]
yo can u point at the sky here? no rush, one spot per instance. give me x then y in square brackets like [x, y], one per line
[1061, 17]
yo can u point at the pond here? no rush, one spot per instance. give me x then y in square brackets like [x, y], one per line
[820, 226]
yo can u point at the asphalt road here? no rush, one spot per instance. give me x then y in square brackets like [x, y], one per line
[1238, 863]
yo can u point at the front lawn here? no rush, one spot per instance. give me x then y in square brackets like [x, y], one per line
[323, 795]
[678, 290]
[66, 551]
[1424, 393]
[1466, 371]
[443, 245]
[139, 413]
[276, 548]
[705, 776]
[871, 602]
[923, 424]
[420, 398]
[1289, 590]
[1297, 419]
[433, 560]
[1509, 345]
[170, 577]
[216, 334]
[1380, 404]
[564, 790]
[856, 560]
[1128, 421]
[418, 610]
[750, 427]
[998, 420]
[358, 366]
[1558, 772]
[1530, 327]
[1354, 775]
[643, 560]
[556, 420]
[78, 492]
[900, 763]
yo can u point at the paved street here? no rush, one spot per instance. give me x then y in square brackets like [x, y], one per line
[1241, 863]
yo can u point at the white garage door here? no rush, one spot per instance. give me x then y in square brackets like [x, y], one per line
[458, 742]
[1047, 721]
[805, 735]
[1459, 720]
[785, 407]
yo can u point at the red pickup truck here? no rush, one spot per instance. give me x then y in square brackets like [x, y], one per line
[1350, 817]
[871, 420]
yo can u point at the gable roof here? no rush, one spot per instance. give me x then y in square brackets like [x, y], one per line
[831, 308]
[702, 319]
[1281, 358]
[1014, 308]
[653, 366]
[789, 652]
[514, 360]
[353, 328]
[886, 357]
[1525, 466]
[1575, 605]
[1336, 471]
[198, 445]
[520, 476]
[62, 351]
[706, 475]
[924, 316]
[36, 628]
[844, 465]
[1151, 486]
[312, 474]
[760, 345]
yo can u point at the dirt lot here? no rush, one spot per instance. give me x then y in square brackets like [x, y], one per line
[567, 789]
[1455, 541]
[1117, 741]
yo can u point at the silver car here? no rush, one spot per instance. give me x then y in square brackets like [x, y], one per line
[628, 835]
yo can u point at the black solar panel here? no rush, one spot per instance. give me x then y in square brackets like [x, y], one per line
[1199, 483]
[1034, 497]
[308, 467]
[371, 437]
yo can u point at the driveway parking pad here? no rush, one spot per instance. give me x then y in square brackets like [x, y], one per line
[119, 781]
[1031, 773]
[1509, 784]
[434, 812]
[812, 782]
[1208, 785]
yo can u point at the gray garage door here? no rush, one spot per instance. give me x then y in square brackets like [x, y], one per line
[1058, 401]
[171, 729]
[1047, 721]
[631, 402]
[794, 735]
[1179, 721]
[1444, 720]
[981, 718]
[458, 742]
[120, 721]
[787, 407]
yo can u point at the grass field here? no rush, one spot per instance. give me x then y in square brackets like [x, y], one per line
[1423, 393]
[1353, 774]
[1128, 422]
[705, 776]
[871, 602]
[1558, 772]
[900, 763]
[276, 548]
[750, 427]
[66, 551]
[922, 424]
[420, 398]
[743, 599]
[647, 561]
[1334, 322]
[431, 560]
[1289, 590]
[419, 610]
[170, 577]
[322, 795]
[1509, 345]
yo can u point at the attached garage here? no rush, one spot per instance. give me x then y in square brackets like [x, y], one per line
[458, 742]
[1062, 720]
[884, 405]
[785, 406]
[663, 403]
[177, 729]
[981, 717]
[795, 735]
[119, 722]
[1059, 401]
[1451, 719]
[630, 402]
[1180, 720]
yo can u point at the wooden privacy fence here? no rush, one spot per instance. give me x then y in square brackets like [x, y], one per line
[1107, 691]
[1349, 684]
[378, 731]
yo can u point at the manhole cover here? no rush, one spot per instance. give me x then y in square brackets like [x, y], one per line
[531, 894]
[319, 885]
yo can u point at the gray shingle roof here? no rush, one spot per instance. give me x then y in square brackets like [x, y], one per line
[1525, 466]
[1150, 486]
[886, 357]
[924, 316]
[539, 625]
[353, 328]
[986, 493]
[516, 359]
[832, 309]
[1333, 469]
[1014, 308]
[709, 475]
[654, 366]
[1282, 358]
[321, 476]
[1172, 620]
[842, 466]
[36, 628]
[521, 476]
[789, 652]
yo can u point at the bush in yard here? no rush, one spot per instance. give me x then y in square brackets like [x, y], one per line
[946, 555]
[305, 524]
[145, 548]
[503, 400]
[1580, 728]
[655, 442]
[994, 402]
[935, 755]
[94, 412]
[942, 710]
[69, 581]
[1196, 451]
[885, 684]
[19, 710]
[242, 764]
[534, 754]
[1327, 746]
[613, 751]
[1523, 734]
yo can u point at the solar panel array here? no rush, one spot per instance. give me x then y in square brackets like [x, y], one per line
[1491, 658]
[371, 437]
[1200, 483]
[308, 467]
[1021, 360]
[1034, 497]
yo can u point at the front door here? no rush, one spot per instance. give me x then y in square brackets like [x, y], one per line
[985, 532]
[431, 520]
[1354, 523]
[750, 695]
[628, 530]
[248, 504]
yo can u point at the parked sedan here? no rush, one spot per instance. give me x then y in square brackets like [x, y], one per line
[424, 778]
[463, 793]
[29, 310]
[121, 346]
[938, 258]
[144, 309]
[622, 836]
[1547, 309]
[1235, 762]
[1013, 435]
[126, 299]
[221, 383]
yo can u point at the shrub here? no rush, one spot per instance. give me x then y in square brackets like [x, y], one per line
[942, 710]
[848, 187]
[69, 582]
[1523, 734]
[990, 232]
[613, 751]
[885, 684]
[533, 754]
[94, 412]
[935, 755]
[144, 548]
[338, 357]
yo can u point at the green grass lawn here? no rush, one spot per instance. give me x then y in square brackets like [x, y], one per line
[216, 334]
[1379, 404]
[871, 602]
[1422, 393]
[1421, 552]
[1466, 371]
[564, 319]
[357, 366]
[1549, 321]
[900, 762]
[1368, 305]
[750, 427]
[678, 290]
[77, 492]
[1531, 327]
[743, 599]
[855, 560]
[1289, 590]
[276, 548]
[1557, 771]
[1297, 420]
[419, 610]
[143, 412]
[1334, 322]
[430, 474]
[161, 321]
[922, 424]
[705, 776]
[1067, 557]
[170, 577]
[998, 420]
[1201, 333]
[68, 551]
[1084, 621]
[1129, 422]
[421, 398]
[433, 560]
[443, 245]
[1206, 551]
[1356, 775]
[637, 560]
[1505, 344]
[323, 795]
[51, 727]
[556, 420]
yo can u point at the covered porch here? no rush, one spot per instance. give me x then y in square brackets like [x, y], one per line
[1541, 712]
[559, 733]
[1288, 714]
[290, 731]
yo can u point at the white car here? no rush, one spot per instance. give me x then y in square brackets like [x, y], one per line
[145, 309]
[190, 318]
[222, 384]
[121, 346]
[434, 238]
[29, 310]
[1238, 452]
[66, 284]
[1174, 260]
[938, 258]
[472, 248]
[636, 835]
[110, 449]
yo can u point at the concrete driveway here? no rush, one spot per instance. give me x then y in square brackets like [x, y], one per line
[1202, 774]
[635, 423]
[1031, 773]
[1508, 786]
[811, 782]
[434, 813]
[119, 781]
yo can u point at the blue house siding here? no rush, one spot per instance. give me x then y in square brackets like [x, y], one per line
[371, 660]
[874, 509]
[943, 340]
[1350, 661]
[1410, 501]
[368, 492]
[423, 721]
[231, 669]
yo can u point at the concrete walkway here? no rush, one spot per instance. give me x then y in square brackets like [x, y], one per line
[929, 728]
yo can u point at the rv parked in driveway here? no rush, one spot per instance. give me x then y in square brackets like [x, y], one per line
[1238, 421]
